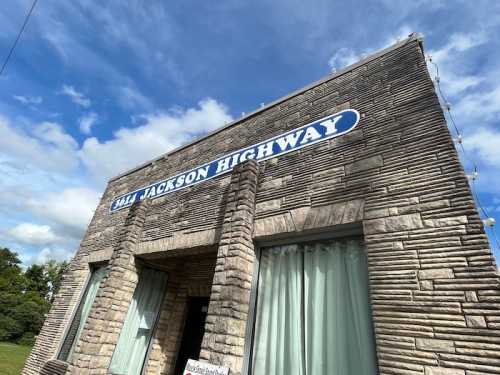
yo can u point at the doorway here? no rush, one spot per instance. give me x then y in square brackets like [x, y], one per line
[193, 332]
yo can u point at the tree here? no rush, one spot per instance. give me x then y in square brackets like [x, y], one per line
[11, 277]
[12, 288]
[25, 297]
[37, 280]
[54, 271]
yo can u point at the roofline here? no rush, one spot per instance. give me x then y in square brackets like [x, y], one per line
[412, 37]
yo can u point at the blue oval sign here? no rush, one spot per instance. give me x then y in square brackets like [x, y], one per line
[328, 127]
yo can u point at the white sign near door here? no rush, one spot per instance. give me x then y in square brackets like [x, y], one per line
[201, 368]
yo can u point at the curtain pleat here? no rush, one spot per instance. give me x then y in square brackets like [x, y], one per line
[278, 325]
[137, 329]
[313, 313]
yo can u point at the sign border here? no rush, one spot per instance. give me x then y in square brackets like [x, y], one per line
[335, 135]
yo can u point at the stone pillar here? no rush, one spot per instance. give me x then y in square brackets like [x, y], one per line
[102, 329]
[52, 332]
[224, 338]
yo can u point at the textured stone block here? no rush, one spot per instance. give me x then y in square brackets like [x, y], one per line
[393, 224]
[475, 321]
[446, 221]
[435, 345]
[443, 371]
[273, 225]
[374, 214]
[271, 184]
[305, 218]
[436, 273]
[364, 164]
[268, 205]
[299, 216]
[403, 222]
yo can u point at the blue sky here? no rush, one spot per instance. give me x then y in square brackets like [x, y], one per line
[95, 87]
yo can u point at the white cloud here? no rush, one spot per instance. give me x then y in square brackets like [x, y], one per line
[131, 98]
[452, 67]
[41, 166]
[43, 169]
[28, 100]
[486, 144]
[342, 58]
[33, 234]
[400, 34]
[87, 121]
[75, 96]
[70, 209]
[346, 56]
[46, 145]
[459, 42]
[49, 253]
[480, 105]
[160, 133]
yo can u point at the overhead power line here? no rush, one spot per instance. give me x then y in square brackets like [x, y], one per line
[18, 36]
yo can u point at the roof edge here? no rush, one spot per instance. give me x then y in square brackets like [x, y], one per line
[412, 37]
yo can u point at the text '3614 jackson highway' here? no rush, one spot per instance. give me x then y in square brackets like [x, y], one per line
[328, 127]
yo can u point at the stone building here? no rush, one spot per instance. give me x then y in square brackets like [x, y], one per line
[356, 249]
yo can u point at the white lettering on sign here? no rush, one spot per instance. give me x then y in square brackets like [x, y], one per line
[320, 130]
[201, 368]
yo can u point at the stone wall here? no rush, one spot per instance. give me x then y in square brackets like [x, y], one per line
[435, 291]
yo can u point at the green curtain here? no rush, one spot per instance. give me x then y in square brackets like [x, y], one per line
[96, 278]
[278, 346]
[130, 351]
[313, 311]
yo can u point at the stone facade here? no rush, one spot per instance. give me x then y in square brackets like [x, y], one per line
[435, 290]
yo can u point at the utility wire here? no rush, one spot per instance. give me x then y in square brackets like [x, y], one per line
[447, 106]
[18, 36]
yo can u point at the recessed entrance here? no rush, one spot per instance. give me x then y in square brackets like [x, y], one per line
[193, 332]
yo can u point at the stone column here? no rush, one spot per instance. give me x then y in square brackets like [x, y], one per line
[102, 329]
[224, 338]
[52, 332]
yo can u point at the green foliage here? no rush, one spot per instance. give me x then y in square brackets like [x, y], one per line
[25, 297]
[54, 272]
[28, 339]
[37, 280]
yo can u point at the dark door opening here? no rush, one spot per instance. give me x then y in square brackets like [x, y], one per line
[193, 332]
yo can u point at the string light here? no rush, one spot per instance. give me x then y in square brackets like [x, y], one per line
[473, 176]
[488, 221]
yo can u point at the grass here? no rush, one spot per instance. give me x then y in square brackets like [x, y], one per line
[12, 358]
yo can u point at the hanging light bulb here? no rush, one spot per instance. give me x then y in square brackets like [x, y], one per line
[473, 176]
[489, 222]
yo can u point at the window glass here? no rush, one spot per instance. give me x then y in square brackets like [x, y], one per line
[313, 312]
[132, 346]
[82, 314]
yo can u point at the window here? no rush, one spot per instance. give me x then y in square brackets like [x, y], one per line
[82, 313]
[133, 343]
[313, 313]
